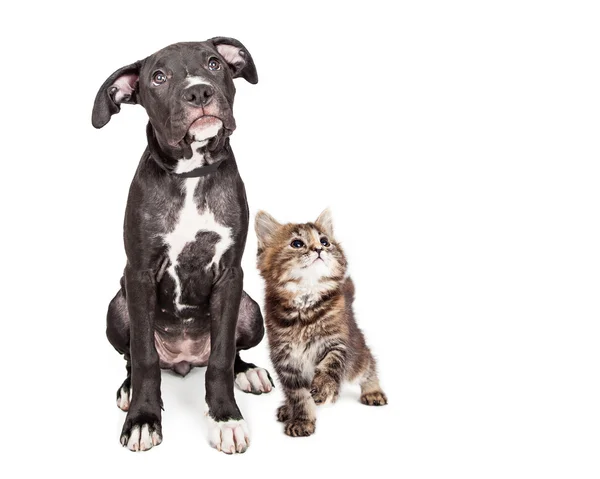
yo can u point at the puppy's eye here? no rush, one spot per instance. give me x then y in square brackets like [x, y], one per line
[324, 241]
[214, 64]
[159, 78]
[297, 244]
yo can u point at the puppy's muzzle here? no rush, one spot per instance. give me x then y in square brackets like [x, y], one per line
[198, 95]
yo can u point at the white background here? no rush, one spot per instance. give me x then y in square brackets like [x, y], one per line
[457, 145]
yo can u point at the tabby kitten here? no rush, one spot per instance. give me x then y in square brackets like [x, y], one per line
[313, 337]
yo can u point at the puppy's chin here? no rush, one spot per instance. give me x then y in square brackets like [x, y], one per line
[204, 128]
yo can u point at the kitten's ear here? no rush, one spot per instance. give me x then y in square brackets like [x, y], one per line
[266, 226]
[325, 221]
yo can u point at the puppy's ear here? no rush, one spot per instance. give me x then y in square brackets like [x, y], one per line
[120, 87]
[237, 57]
[325, 221]
[266, 226]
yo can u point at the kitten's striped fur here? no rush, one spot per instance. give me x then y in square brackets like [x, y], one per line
[314, 340]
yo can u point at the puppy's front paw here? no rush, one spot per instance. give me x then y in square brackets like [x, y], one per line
[374, 398]
[230, 436]
[141, 433]
[255, 381]
[324, 389]
[300, 428]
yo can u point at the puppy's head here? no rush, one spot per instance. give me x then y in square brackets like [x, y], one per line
[186, 88]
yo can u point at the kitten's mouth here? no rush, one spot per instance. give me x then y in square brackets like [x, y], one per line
[317, 259]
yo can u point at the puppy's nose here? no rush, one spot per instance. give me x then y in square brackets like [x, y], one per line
[198, 95]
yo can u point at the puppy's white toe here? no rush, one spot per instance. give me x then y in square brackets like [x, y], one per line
[254, 380]
[241, 381]
[141, 439]
[230, 436]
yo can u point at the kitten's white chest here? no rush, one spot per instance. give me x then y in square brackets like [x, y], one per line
[304, 297]
[190, 222]
[309, 287]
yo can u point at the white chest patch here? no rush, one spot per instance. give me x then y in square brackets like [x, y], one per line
[311, 284]
[191, 221]
[196, 161]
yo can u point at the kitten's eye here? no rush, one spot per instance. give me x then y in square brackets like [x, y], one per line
[297, 244]
[159, 78]
[214, 64]
[324, 241]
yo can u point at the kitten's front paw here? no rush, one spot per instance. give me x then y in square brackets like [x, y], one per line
[283, 413]
[300, 428]
[324, 389]
[374, 398]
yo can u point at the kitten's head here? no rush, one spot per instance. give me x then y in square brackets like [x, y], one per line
[305, 252]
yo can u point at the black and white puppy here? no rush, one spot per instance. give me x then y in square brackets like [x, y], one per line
[181, 302]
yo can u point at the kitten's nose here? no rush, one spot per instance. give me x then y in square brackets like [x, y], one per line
[318, 250]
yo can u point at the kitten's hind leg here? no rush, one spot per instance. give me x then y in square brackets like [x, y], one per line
[371, 393]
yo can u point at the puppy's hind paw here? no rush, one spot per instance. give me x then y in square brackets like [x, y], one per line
[254, 380]
[124, 398]
[374, 398]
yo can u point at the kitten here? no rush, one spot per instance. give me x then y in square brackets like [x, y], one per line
[314, 341]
